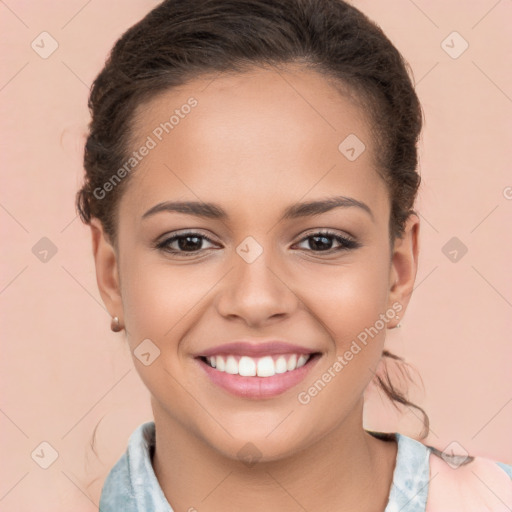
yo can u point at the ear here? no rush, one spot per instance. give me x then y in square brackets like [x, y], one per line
[107, 273]
[404, 266]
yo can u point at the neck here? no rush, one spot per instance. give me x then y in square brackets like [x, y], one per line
[346, 470]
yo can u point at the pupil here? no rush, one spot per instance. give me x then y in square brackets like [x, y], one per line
[320, 245]
[188, 247]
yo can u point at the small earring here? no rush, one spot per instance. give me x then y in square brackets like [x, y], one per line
[115, 325]
[398, 324]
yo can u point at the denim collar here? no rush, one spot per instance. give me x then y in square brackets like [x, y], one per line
[132, 486]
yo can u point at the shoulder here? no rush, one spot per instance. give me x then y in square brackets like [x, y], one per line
[117, 493]
[131, 485]
[461, 482]
[425, 479]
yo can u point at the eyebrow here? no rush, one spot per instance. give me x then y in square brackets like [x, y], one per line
[294, 211]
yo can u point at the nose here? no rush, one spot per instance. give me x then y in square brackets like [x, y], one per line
[257, 292]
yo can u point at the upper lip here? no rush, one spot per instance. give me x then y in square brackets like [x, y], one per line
[260, 348]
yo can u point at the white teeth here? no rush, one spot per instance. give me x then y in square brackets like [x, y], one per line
[231, 365]
[292, 363]
[220, 363]
[246, 367]
[281, 365]
[302, 361]
[265, 366]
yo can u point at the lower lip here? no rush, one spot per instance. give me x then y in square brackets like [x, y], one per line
[258, 387]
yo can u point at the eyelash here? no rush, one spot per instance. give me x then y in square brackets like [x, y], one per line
[345, 243]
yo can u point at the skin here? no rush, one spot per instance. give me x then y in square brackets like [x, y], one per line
[256, 143]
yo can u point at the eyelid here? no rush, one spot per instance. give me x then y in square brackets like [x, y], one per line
[346, 241]
[185, 232]
[165, 240]
[327, 231]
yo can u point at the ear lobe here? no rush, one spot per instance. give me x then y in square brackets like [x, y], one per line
[107, 272]
[404, 263]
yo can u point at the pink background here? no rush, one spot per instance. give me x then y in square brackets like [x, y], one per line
[63, 371]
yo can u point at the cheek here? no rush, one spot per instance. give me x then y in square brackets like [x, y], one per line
[157, 297]
[348, 302]
[350, 305]
[338, 302]
[347, 298]
[158, 302]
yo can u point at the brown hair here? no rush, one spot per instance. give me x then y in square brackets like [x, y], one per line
[184, 39]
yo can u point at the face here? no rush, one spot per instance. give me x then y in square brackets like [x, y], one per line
[254, 266]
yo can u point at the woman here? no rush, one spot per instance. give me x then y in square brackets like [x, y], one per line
[250, 184]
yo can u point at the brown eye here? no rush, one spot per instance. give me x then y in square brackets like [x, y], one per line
[183, 243]
[323, 242]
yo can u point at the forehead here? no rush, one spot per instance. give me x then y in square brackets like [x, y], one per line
[258, 135]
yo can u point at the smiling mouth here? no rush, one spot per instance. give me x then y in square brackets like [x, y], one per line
[266, 366]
